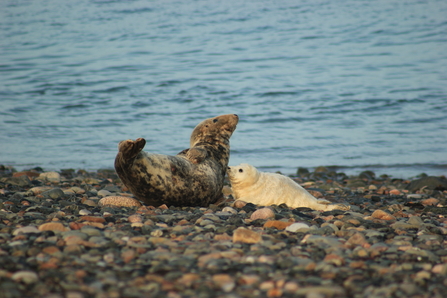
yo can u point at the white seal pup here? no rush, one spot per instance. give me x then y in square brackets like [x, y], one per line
[261, 188]
[194, 177]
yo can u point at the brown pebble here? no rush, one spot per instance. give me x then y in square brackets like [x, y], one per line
[51, 250]
[262, 213]
[334, 259]
[224, 281]
[246, 236]
[357, 265]
[128, 255]
[119, 201]
[188, 279]
[80, 274]
[430, 202]
[135, 218]
[94, 224]
[73, 240]
[291, 286]
[280, 225]
[248, 279]
[222, 237]
[93, 218]
[182, 222]
[73, 249]
[239, 204]
[52, 226]
[380, 214]
[275, 292]
[356, 240]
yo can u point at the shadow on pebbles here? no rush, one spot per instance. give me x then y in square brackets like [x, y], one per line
[59, 239]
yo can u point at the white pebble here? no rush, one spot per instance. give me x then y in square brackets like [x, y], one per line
[229, 210]
[27, 277]
[84, 212]
[50, 177]
[295, 227]
[25, 230]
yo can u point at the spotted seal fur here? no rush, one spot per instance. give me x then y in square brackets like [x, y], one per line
[194, 177]
[261, 188]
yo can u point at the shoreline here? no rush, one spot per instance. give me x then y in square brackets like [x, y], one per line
[56, 240]
[400, 171]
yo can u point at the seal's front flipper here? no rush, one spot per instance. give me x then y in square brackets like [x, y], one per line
[196, 155]
[129, 148]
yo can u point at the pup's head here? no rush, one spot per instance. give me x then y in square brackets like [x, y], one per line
[242, 175]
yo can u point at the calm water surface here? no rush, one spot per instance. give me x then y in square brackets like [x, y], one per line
[358, 84]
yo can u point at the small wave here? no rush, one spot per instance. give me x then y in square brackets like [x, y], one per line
[136, 10]
[140, 104]
[408, 90]
[112, 90]
[75, 106]
[282, 93]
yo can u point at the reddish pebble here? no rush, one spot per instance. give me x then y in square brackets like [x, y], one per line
[30, 174]
[75, 225]
[395, 192]
[380, 214]
[275, 292]
[280, 225]
[93, 218]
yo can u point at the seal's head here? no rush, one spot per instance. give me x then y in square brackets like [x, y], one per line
[243, 175]
[214, 130]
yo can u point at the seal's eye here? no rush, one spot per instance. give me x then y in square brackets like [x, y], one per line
[215, 120]
[241, 171]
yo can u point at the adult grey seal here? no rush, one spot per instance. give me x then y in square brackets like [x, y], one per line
[194, 177]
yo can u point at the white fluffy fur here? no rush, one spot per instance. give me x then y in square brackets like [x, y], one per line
[266, 189]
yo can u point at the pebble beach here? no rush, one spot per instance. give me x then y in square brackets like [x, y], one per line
[80, 234]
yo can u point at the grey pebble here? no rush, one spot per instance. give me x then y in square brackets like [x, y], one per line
[54, 193]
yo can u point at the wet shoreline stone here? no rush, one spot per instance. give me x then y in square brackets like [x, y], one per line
[59, 239]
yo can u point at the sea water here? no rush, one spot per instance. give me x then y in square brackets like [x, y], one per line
[357, 84]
